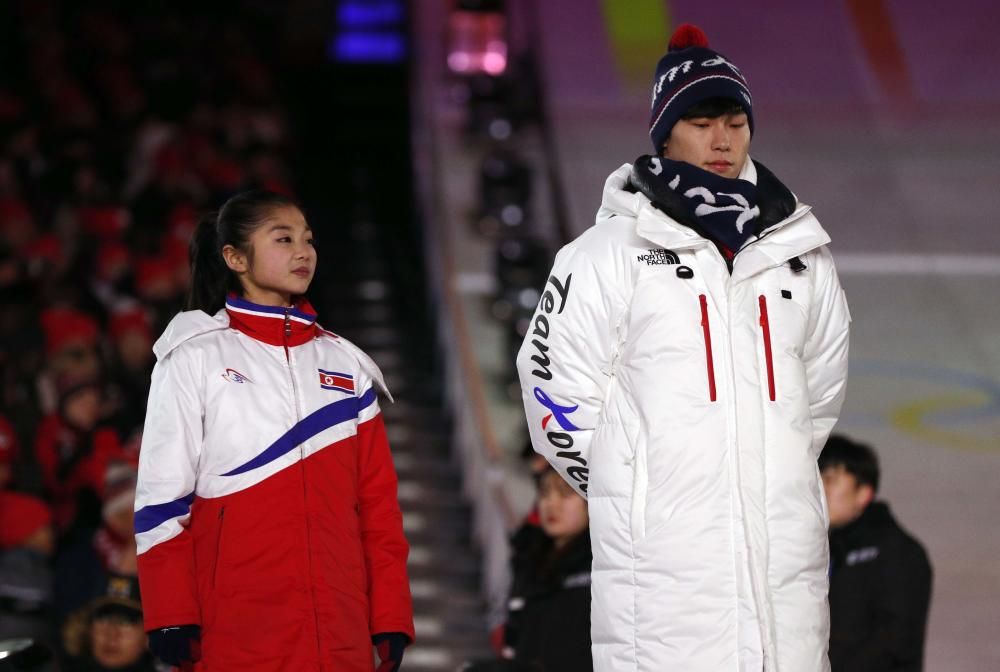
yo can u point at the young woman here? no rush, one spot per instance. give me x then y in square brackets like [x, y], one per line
[267, 524]
[549, 607]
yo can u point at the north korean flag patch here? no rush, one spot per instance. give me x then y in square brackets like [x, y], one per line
[331, 380]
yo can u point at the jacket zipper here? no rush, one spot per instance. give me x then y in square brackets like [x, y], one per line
[302, 468]
[708, 346]
[288, 326]
[765, 327]
[218, 545]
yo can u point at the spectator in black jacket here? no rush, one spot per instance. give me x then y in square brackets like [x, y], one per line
[107, 634]
[880, 576]
[548, 624]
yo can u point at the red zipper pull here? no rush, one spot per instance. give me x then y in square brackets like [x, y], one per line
[707, 333]
[765, 327]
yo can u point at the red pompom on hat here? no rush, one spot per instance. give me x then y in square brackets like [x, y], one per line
[20, 517]
[688, 35]
[66, 326]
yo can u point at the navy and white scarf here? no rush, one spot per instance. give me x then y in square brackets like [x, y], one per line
[726, 209]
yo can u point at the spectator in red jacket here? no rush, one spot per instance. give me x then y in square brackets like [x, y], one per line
[129, 369]
[26, 544]
[73, 450]
[71, 340]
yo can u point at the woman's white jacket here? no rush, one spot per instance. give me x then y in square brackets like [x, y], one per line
[689, 405]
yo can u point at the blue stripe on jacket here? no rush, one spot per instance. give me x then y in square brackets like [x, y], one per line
[311, 425]
[153, 515]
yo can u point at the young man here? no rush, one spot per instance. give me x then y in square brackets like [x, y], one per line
[880, 577]
[684, 368]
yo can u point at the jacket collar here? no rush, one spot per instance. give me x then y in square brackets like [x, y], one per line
[273, 325]
[788, 229]
[798, 234]
[642, 179]
[794, 236]
[868, 527]
[652, 224]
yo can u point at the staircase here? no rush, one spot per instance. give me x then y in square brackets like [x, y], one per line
[360, 299]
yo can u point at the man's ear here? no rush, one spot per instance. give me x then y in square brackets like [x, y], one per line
[235, 260]
[866, 494]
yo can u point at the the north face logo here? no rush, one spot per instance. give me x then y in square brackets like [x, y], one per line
[658, 257]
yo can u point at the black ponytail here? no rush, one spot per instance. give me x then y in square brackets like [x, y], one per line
[211, 279]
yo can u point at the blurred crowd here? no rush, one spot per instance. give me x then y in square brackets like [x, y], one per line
[119, 127]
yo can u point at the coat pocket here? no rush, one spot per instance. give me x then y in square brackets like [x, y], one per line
[821, 497]
[640, 484]
[362, 556]
[218, 546]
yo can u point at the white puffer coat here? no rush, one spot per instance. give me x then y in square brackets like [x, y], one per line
[689, 405]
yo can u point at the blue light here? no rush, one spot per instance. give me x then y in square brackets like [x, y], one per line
[361, 47]
[360, 14]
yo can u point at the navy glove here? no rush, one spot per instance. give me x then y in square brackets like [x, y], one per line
[390, 646]
[177, 645]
